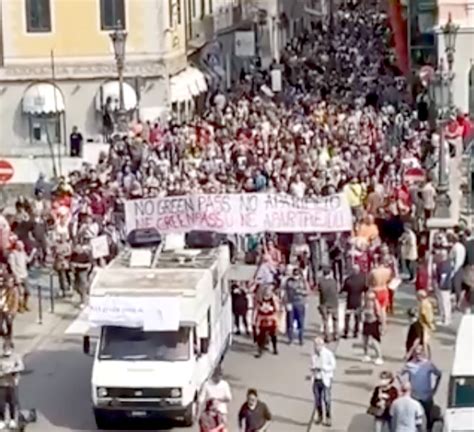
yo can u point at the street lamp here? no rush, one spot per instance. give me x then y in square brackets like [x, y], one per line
[119, 40]
[441, 95]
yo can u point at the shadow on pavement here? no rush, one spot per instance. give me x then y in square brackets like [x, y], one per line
[64, 400]
[361, 423]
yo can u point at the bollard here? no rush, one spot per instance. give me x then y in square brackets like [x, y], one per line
[40, 306]
[51, 293]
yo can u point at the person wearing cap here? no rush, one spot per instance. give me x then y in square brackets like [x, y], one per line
[381, 400]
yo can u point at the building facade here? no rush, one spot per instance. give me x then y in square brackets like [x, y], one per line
[57, 67]
[462, 14]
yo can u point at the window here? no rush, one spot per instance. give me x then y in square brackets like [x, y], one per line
[38, 16]
[45, 129]
[203, 9]
[461, 392]
[178, 10]
[171, 13]
[210, 7]
[112, 14]
[193, 8]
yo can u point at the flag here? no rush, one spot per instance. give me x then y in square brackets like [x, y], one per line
[399, 31]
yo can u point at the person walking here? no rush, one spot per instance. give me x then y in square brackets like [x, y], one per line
[424, 378]
[18, 261]
[9, 305]
[409, 252]
[81, 266]
[218, 390]
[211, 420]
[426, 316]
[379, 278]
[61, 263]
[354, 286]
[254, 415]
[329, 303]
[458, 258]
[239, 307]
[382, 398]
[266, 320]
[443, 277]
[406, 413]
[295, 296]
[371, 328]
[323, 367]
[9, 379]
[415, 335]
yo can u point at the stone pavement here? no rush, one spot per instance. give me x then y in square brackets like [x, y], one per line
[281, 380]
[32, 327]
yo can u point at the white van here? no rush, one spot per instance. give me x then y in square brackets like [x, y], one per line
[165, 323]
[459, 415]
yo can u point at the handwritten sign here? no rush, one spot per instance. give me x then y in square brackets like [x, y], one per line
[150, 313]
[239, 213]
[100, 247]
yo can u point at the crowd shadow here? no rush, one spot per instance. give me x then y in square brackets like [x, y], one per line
[58, 387]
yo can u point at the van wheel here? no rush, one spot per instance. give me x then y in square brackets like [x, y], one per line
[102, 420]
[191, 414]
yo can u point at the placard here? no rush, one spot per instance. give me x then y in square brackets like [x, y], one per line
[244, 43]
[240, 213]
[100, 247]
[152, 313]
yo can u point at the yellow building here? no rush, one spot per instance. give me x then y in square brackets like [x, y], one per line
[57, 66]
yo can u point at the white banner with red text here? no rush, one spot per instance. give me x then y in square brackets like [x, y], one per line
[239, 213]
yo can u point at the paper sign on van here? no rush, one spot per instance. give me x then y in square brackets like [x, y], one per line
[151, 313]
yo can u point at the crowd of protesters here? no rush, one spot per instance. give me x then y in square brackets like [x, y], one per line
[342, 123]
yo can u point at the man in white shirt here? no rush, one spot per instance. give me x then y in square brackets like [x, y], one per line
[428, 196]
[219, 390]
[323, 366]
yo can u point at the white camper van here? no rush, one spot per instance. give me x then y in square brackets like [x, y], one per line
[459, 415]
[164, 323]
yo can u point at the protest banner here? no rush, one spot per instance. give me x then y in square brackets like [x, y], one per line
[239, 213]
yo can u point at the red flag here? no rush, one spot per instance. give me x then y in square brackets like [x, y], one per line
[399, 30]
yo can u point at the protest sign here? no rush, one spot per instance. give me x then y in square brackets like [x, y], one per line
[239, 213]
[151, 313]
[100, 247]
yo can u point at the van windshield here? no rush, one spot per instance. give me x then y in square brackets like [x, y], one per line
[123, 343]
[462, 392]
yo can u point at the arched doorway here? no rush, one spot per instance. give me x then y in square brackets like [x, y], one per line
[471, 91]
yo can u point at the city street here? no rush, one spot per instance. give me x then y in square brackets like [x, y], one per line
[58, 377]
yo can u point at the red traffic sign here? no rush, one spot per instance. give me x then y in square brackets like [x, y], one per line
[6, 171]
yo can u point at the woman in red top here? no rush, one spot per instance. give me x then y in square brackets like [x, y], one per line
[266, 320]
[422, 282]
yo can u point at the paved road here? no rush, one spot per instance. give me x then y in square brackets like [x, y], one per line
[58, 384]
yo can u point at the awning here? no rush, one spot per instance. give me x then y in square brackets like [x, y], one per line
[187, 84]
[111, 90]
[42, 98]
